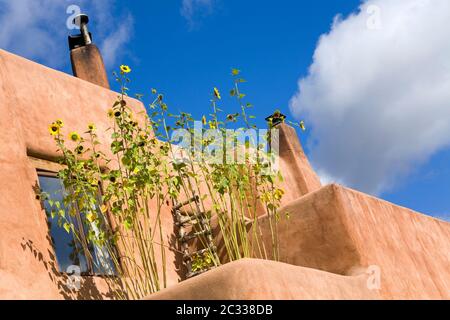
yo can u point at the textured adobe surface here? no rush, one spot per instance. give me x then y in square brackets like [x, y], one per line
[299, 177]
[333, 235]
[31, 97]
[343, 231]
[250, 279]
[87, 64]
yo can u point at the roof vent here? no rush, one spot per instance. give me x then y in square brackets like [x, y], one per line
[83, 39]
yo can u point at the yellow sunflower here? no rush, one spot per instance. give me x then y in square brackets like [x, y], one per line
[302, 125]
[54, 129]
[217, 93]
[91, 217]
[74, 136]
[91, 127]
[125, 69]
[79, 149]
[60, 123]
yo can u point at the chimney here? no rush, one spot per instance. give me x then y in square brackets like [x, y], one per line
[87, 62]
[299, 178]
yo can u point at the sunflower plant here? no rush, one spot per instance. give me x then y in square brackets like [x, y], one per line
[113, 190]
[237, 194]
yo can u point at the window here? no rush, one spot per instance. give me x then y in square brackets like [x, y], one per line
[92, 259]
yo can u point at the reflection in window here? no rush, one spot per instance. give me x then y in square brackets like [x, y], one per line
[70, 251]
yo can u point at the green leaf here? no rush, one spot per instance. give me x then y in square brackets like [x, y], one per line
[126, 161]
[128, 223]
[280, 176]
[67, 227]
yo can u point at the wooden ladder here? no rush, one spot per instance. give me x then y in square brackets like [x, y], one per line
[200, 227]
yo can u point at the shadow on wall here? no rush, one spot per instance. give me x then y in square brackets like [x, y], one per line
[89, 286]
[88, 289]
[178, 255]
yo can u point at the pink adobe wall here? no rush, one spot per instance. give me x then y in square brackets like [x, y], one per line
[31, 97]
[298, 175]
[333, 234]
[250, 279]
[328, 249]
[343, 231]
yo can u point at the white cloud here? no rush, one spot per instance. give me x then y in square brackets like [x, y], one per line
[378, 92]
[36, 29]
[327, 179]
[112, 44]
[190, 9]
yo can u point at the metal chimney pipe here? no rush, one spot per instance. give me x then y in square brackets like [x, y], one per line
[81, 21]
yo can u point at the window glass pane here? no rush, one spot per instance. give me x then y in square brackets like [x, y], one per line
[67, 251]
[102, 263]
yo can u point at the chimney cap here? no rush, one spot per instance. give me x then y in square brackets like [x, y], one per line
[276, 118]
[81, 19]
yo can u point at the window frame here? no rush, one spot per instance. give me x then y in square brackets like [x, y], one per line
[50, 169]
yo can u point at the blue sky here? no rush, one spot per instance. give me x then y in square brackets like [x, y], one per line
[185, 51]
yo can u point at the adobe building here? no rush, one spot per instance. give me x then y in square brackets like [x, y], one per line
[337, 244]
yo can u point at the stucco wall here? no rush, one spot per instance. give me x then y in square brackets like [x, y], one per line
[31, 97]
[250, 279]
[338, 244]
[343, 231]
[337, 231]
